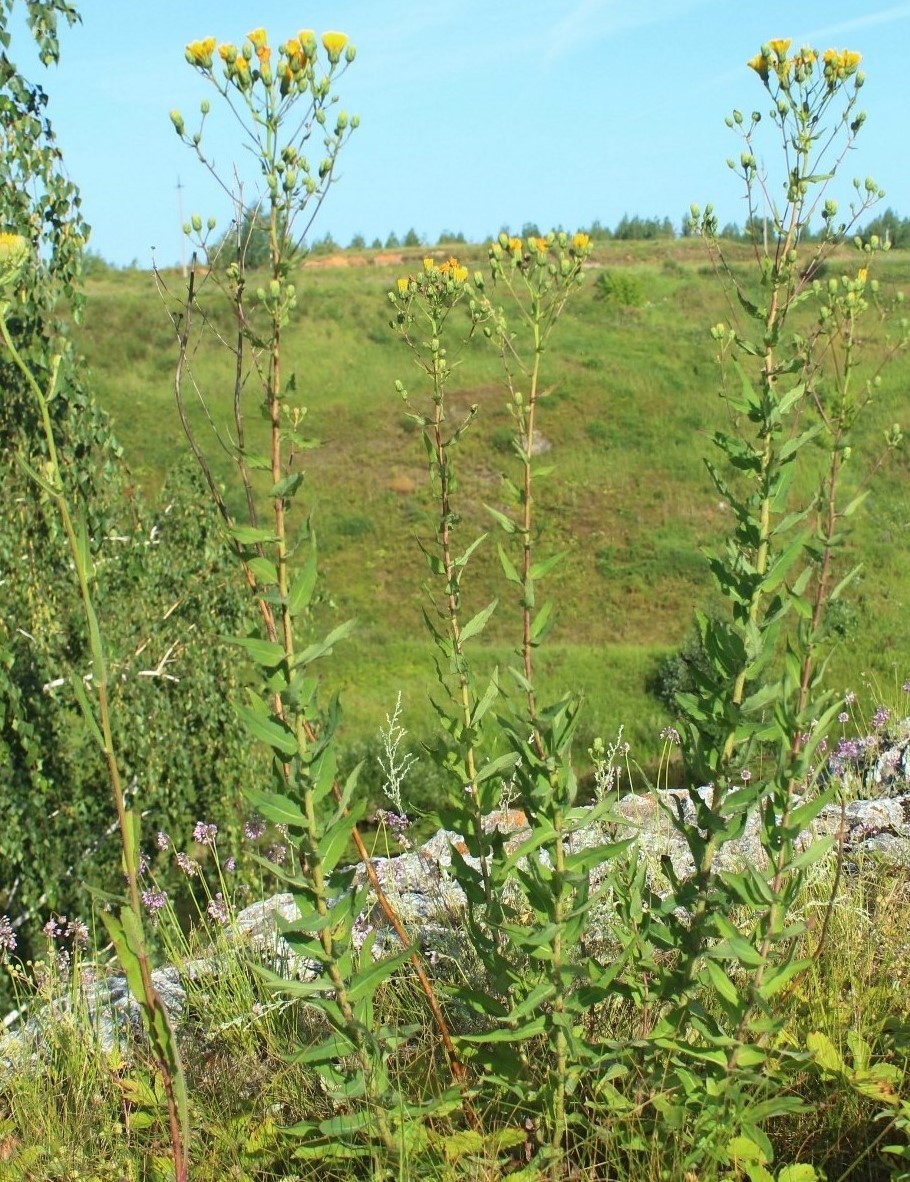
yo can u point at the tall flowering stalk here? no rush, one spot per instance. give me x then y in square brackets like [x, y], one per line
[125, 929]
[539, 276]
[283, 99]
[759, 698]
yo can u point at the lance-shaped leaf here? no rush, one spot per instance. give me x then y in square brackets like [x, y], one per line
[270, 731]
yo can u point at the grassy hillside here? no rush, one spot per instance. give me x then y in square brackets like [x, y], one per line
[635, 400]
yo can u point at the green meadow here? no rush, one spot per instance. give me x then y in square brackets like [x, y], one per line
[634, 397]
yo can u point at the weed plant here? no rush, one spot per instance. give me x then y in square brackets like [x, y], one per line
[609, 1016]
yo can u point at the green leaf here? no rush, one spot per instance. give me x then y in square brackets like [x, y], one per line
[478, 622]
[541, 620]
[257, 462]
[542, 568]
[506, 522]
[251, 535]
[777, 978]
[800, 1172]
[287, 486]
[507, 566]
[264, 570]
[263, 652]
[492, 693]
[322, 647]
[369, 979]
[521, 1034]
[303, 586]
[855, 503]
[276, 808]
[824, 1053]
[270, 731]
[85, 705]
[502, 763]
[722, 982]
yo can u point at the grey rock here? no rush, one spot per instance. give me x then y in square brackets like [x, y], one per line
[420, 886]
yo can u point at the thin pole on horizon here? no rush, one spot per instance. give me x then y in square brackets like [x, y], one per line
[182, 235]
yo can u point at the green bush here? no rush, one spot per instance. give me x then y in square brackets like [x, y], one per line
[622, 289]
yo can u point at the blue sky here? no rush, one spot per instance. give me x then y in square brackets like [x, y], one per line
[474, 113]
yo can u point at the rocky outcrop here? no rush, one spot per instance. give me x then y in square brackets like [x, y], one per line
[430, 902]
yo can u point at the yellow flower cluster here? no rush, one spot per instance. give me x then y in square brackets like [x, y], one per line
[443, 280]
[296, 57]
[838, 64]
[199, 53]
[455, 269]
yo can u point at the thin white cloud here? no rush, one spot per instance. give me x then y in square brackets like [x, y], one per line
[594, 20]
[885, 16]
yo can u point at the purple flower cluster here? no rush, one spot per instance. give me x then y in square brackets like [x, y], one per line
[60, 928]
[187, 865]
[254, 828]
[397, 822]
[880, 717]
[670, 735]
[153, 900]
[218, 909]
[7, 935]
[205, 834]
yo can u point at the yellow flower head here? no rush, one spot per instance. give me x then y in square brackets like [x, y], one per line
[840, 64]
[403, 285]
[257, 38]
[539, 244]
[307, 39]
[227, 52]
[779, 47]
[265, 56]
[14, 250]
[862, 274]
[761, 65]
[580, 241]
[333, 44]
[428, 265]
[199, 53]
[454, 270]
[515, 245]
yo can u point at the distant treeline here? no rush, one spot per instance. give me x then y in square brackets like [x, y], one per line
[889, 227]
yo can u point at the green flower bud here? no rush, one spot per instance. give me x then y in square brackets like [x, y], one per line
[205, 106]
[177, 120]
[197, 222]
[210, 224]
[355, 122]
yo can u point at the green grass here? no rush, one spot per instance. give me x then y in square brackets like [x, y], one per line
[245, 1090]
[634, 402]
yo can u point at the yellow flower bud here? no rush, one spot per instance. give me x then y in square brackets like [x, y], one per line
[257, 38]
[403, 284]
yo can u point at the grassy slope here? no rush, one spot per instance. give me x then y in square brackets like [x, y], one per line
[634, 403]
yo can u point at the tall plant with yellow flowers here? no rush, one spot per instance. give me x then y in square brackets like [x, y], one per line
[284, 98]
